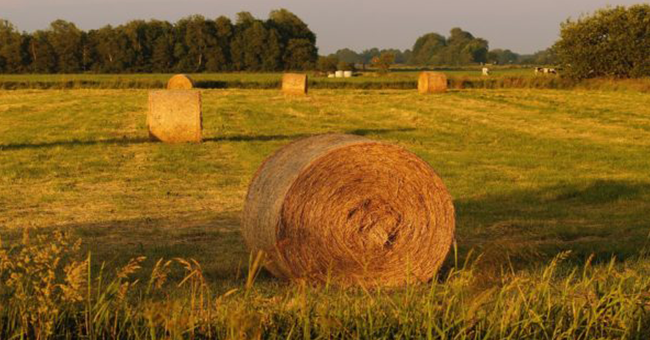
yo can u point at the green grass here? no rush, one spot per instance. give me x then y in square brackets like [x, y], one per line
[533, 173]
[398, 79]
[468, 78]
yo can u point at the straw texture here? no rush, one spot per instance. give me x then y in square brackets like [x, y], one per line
[294, 83]
[432, 82]
[348, 210]
[175, 116]
[180, 82]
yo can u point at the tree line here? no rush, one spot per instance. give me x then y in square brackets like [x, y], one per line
[613, 42]
[459, 49]
[192, 44]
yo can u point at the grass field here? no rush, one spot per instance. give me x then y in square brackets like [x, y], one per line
[533, 173]
[397, 79]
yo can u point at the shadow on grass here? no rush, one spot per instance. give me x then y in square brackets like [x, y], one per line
[521, 229]
[214, 241]
[231, 138]
[516, 230]
[73, 143]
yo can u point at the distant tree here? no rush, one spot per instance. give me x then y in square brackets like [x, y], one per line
[162, 49]
[43, 58]
[369, 54]
[349, 56]
[384, 61]
[345, 66]
[219, 57]
[67, 42]
[500, 56]
[613, 42]
[544, 57]
[112, 49]
[461, 48]
[427, 48]
[407, 55]
[272, 56]
[13, 55]
[256, 47]
[399, 56]
[299, 55]
[254, 39]
[299, 42]
[192, 44]
[327, 64]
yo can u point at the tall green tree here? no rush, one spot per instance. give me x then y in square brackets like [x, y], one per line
[427, 49]
[219, 55]
[67, 42]
[192, 44]
[13, 56]
[461, 48]
[42, 55]
[328, 64]
[162, 49]
[502, 57]
[613, 42]
[295, 38]
[349, 56]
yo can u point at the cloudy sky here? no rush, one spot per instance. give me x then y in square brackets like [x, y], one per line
[524, 26]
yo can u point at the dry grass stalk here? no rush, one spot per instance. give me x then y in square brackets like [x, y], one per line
[348, 210]
[180, 82]
[294, 83]
[432, 82]
[175, 116]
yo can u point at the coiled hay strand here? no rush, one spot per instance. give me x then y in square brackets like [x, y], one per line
[180, 82]
[294, 84]
[348, 210]
[432, 82]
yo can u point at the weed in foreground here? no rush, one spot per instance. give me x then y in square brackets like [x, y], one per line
[50, 291]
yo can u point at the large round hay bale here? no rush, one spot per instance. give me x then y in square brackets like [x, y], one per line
[175, 116]
[432, 82]
[295, 83]
[348, 210]
[180, 82]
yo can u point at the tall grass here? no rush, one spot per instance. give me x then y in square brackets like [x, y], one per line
[49, 290]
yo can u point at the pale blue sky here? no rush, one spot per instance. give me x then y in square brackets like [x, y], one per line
[521, 25]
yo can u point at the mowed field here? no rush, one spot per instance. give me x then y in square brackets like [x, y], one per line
[533, 174]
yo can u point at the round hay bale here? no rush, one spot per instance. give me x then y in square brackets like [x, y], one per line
[295, 83]
[348, 210]
[180, 82]
[432, 82]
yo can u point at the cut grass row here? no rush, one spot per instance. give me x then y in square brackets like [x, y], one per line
[402, 81]
[533, 173]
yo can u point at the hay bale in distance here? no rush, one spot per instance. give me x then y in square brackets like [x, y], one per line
[175, 116]
[351, 210]
[432, 82]
[180, 82]
[347, 74]
[294, 83]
